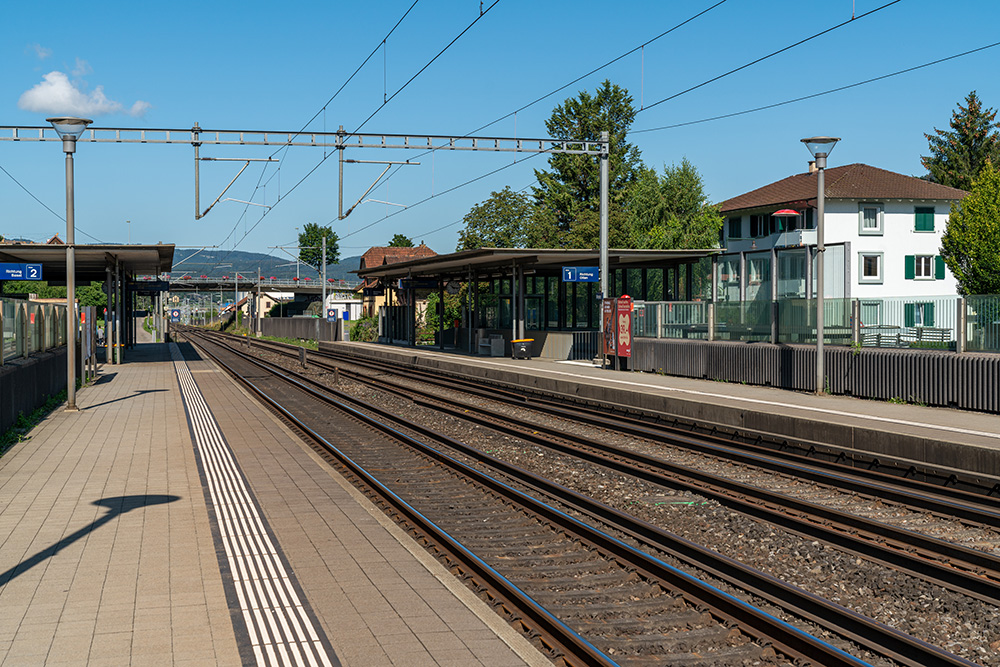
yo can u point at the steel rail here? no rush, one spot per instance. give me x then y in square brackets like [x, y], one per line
[973, 573]
[791, 641]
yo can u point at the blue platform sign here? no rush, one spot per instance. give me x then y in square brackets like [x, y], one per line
[581, 274]
[175, 315]
[10, 271]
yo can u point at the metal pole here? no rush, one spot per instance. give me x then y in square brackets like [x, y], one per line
[69, 146]
[820, 248]
[197, 163]
[323, 278]
[605, 151]
[340, 186]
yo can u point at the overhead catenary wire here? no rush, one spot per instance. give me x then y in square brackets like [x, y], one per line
[44, 205]
[323, 160]
[819, 94]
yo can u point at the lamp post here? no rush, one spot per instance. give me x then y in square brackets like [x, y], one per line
[820, 147]
[69, 130]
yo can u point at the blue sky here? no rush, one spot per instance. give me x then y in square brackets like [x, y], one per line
[264, 65]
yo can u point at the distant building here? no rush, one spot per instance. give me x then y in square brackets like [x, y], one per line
[882, 233]
[373, 294]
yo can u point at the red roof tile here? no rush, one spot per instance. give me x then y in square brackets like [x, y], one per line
[853, 181]
[380, 255]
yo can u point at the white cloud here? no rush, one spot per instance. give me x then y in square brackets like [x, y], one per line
[82, 68]
[56, 94]
[40, 51]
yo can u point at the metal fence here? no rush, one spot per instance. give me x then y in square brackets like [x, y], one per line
[939, 322]
[30, 327]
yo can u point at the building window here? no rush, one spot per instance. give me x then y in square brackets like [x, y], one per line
[918, 314]
[924, 219]
[870, 219]
[759, 226]
[735, 228]
[870, 267]
[923, 267]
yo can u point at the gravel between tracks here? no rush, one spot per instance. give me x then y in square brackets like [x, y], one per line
[967, 627]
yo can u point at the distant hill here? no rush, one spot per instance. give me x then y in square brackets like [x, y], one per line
[206, 262]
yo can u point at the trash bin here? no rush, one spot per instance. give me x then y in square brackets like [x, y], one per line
[522, 348]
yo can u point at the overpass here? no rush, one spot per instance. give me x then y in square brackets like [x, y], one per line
[202, 283]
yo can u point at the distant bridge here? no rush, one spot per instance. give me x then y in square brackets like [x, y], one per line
[191, 283]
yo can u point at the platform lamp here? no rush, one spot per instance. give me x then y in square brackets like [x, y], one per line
[820, 147]
[69, 130]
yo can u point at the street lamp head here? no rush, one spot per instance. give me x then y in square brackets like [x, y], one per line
[820, 147]
[69, 130]
[68, 127]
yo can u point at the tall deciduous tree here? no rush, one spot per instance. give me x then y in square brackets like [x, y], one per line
[311, 242]
[501, 221]
[971, 241]
[568, 195]
[400, 241]
[668, 211]
[958, 155]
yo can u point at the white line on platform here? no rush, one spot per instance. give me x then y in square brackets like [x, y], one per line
[729, 397]
[280, 631]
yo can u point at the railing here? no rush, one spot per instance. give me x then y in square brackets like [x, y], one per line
[30, 327]
[941, 322]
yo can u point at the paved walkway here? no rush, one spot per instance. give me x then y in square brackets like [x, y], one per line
[113, 549]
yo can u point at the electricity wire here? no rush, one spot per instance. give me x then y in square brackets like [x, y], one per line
[32, 195]
[820, 94]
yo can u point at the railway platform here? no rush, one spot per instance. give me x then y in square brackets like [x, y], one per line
[945, 439]
[172, 520]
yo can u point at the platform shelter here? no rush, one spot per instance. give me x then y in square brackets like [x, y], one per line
[550, 296]
[127, 271]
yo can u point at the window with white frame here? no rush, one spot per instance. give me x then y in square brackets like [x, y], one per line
[870, 267]
[870, 219]
[923, 267]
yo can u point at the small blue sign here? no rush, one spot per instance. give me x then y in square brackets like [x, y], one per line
[581, 274]
[347, 316]
[331, 314]
[10, 271]
[175, 315]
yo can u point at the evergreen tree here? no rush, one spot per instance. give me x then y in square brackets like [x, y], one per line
[970, 245]
[568, 196]
[311, 242]
[666, 212]
[958, 155]
[400, 241]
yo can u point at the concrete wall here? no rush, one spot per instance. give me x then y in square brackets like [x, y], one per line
[306, 328]
[25, 384]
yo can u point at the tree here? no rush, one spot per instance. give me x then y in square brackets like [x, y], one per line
[501, 221]
[957, 156]
[667, 212]
[311, 242]
[400, 241]
[970, 245]
[570, 192]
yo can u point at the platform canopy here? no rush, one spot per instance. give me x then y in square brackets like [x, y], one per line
[91, 260]
[484, 261]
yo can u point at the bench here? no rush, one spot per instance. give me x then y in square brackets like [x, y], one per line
[491, 346]
[882, 336]
[935, 335]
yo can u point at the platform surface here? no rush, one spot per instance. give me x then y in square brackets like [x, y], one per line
[110, 548]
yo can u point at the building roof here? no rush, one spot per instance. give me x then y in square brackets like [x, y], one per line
[499, 261]
[852, 181]
[383, 255]
[91, 259]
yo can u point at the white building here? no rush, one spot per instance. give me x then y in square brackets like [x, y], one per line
[882, 231]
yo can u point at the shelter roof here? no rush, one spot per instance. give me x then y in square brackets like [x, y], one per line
[500, 260]
[90, 259]
[853, 181]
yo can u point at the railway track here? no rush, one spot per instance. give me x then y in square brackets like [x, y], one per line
[971, 517]
[631, 639]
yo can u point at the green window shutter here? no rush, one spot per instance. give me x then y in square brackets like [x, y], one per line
[938, 267]
[924, 219]
[909, 316]
[928, 314]
[909, 267]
